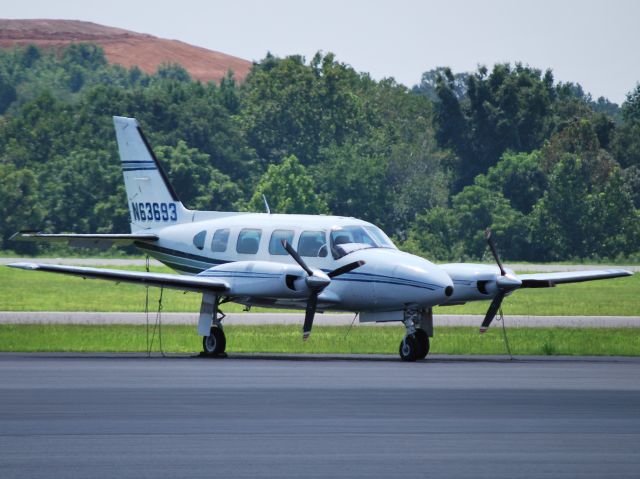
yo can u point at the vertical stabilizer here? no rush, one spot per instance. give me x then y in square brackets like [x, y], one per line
[153, 202]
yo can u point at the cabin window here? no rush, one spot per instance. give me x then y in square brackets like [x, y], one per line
[198, 240]
[220, 240]
[313, 244]
[248, 241]
[275, 243]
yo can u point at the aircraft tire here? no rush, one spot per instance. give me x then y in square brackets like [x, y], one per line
[215, 343]
[422, 341]
[408, 349]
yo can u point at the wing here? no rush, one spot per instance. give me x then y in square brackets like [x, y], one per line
[172, 281]
[102, 241]
[546, 280]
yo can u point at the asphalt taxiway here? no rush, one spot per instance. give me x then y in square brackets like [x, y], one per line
[75, 415]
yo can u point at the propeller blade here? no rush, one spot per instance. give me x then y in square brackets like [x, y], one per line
[492, 247]
[493, 309]
[345, 269]
[294, 254]
[308, 316]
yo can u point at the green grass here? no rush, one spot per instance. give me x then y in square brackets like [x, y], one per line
[325, 339]
[37, 291]
[22, 290]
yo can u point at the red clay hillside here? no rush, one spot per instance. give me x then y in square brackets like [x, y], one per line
[123, 47]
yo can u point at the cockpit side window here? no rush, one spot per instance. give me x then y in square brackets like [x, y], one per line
[380, 237]
[312, 244]
[346, 239]
[198, 239]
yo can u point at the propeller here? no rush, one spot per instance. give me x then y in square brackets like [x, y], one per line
[494, 252]
[316, 282]
[505, 283]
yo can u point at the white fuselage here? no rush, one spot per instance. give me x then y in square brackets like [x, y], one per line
[252, 261]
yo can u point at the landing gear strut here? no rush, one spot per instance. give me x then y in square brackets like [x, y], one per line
[214, 341]
[415, 344]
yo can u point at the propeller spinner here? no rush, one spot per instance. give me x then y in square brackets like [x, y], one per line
[316, 282]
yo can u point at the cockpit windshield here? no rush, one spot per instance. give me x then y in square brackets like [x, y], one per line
[347, 239]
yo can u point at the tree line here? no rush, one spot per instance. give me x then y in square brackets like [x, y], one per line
[553, 172]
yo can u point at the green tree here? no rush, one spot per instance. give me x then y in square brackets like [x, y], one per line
[435, 235]
[72, 184]
[510, 108]
[198, 184]
[631, 106]
[172, 72]
[290, 107]
[457, 233]
[626, 138]
[85, 55]
[7, 93]
[579, 219]
[614, 222]
[520, 179]
[581, 139]
[289, 189]
[353, 179]
[560, 220]
[19, 208]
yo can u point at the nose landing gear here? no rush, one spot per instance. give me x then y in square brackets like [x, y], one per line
[415, 345]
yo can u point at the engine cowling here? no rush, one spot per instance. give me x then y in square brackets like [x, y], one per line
[261, 279]
[473, 282]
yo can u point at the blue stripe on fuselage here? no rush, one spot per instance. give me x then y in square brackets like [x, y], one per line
[366, 277]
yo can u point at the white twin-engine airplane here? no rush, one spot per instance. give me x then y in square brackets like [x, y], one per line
[318, 263]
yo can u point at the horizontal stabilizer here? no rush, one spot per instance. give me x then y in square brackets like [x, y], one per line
[541, 280]
[165, 280]
[100, 241]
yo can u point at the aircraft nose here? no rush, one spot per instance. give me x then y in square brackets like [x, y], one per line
[443, 281]
[436, 285]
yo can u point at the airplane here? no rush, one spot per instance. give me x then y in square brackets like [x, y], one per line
[311, 262]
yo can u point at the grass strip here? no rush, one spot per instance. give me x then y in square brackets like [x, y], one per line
[38, 291]
[325, 339]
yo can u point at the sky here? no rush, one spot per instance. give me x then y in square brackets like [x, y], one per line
[594, 43]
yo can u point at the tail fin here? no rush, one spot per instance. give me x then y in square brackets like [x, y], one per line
[152, 200]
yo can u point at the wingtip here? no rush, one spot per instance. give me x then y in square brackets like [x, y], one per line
[23, 265]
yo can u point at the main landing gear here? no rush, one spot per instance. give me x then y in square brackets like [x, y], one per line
[415, 344]
[214, 341]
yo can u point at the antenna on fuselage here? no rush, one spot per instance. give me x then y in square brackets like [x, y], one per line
[266, 204]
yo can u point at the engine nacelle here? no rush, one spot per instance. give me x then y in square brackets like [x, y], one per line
[261, 279]
[472, 282]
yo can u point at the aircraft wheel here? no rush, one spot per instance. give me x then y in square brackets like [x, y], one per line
[408, 349]
[422, 341]
[215, 343]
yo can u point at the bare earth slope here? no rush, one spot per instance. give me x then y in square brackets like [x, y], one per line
[123, 47]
